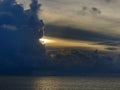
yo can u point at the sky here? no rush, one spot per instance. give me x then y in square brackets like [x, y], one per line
[96, 15]
[99, 18]
[88, 24]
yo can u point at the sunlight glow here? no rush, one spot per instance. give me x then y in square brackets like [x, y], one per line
[60, 42]
[45, 40]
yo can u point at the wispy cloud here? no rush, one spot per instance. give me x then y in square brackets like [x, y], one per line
[97, 19]
[94, 15]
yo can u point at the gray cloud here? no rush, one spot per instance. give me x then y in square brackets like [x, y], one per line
[90, 10]
[112, 49]
[96, 10]
[78, 34]
[108, 1]
[110, 43]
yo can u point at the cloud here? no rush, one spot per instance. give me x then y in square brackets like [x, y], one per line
[10, 11]
[77, 34]
[111, 1]
[96, 10]
[20, 30]
[112, 49]
[83, 61]
[111, 43]
[9, 27]
[74, 36]
[93, 11]
[93, 15]
[108, 1]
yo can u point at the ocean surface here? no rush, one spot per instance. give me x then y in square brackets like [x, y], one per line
[59, 83]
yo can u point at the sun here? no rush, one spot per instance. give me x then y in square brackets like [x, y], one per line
[45, 40]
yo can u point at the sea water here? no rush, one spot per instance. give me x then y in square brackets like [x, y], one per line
[59, 83]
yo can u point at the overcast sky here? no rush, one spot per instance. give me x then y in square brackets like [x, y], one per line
[98, 16]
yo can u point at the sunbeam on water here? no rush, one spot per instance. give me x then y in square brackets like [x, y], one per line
[59, 83]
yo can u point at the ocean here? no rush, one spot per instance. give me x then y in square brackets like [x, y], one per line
[59, 83]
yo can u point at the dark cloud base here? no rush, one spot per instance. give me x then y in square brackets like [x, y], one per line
[20, 50]
[77, 34]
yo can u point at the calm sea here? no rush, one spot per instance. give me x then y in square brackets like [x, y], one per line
[59, 83]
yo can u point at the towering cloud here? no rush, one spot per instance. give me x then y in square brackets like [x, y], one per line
[20, 30]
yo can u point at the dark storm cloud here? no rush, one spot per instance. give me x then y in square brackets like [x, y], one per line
[13, 14]
[112, 43]
[77, 34]
[20, 30]
[87, 62]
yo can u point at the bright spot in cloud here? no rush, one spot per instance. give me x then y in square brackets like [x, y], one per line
[45, 40]
[53, 42]
[60, 42]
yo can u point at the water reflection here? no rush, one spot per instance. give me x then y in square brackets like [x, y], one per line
[15, 83]
[59, 83]
[47, 84]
